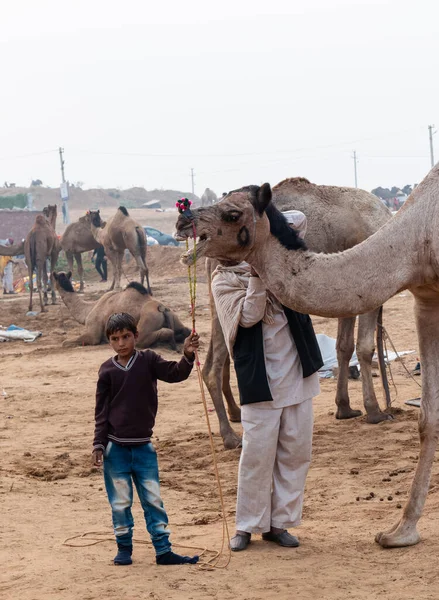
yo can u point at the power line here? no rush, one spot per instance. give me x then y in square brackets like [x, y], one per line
[28, 155]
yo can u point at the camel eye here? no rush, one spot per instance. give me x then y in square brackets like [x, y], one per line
[231, 216]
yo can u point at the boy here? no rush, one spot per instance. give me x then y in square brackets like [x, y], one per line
[126, 407]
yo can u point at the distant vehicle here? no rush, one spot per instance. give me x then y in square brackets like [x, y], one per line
[150, 241]
[163, 239]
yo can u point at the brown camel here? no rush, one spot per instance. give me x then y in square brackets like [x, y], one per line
[337, 219]
[121, 232]
[156, 323]
[78, 238]
[40, 244]
[403, 254]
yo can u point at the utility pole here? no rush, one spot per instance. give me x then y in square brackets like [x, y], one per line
[61, 150]
[64, 190]
[192, 178]
[430, 135]
[355, 167]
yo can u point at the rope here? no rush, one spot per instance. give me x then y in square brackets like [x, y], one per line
[387, 337]
[192, 278]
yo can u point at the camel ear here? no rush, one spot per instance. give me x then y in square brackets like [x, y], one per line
[263, 198]
[69, 275]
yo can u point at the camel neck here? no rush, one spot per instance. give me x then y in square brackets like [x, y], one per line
[78, 307]
[344, 284]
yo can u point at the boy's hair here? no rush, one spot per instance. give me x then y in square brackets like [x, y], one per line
[118, 322]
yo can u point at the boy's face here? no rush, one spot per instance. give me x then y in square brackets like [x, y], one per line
[123, 342]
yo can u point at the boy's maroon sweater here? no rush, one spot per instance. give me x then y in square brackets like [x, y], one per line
[126, 397]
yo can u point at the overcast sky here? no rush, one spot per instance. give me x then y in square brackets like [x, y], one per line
[139, 92]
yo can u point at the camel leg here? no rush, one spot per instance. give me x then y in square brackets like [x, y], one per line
[78, 258]
[112, 256]
[404, 533]
[365, 348]
[86, 339]
[40, 270]
[161, 336]
[232, 408]
[31, 285]
[345, 349]
[53, 261]
[213, 376]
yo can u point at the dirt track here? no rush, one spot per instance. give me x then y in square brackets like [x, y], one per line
[48, 491]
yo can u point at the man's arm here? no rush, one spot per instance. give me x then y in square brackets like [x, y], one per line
[253, 309]
[172, 371]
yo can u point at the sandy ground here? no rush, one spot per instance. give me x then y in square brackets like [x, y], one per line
[48, 490]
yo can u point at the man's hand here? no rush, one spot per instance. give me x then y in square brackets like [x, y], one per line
[253, 273]
[191, 343]
[97, 458]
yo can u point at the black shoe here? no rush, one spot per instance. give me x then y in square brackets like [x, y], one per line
[282, 539]
[240, 541]
[123, 556]
[417, 369]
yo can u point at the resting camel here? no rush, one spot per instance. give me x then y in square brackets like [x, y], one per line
[121, 232]
[78, 238]
[156, 323]
[403, 254]
[338, 218]
[40, 244]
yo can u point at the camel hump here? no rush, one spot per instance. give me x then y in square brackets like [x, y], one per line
[123, 210]
[291, 181]
[135, 285]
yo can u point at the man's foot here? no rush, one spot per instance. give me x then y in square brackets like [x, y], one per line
[417, 369]
[123, 556]
[170, 558]
[240, 541]
[282, 538]
[102, 281]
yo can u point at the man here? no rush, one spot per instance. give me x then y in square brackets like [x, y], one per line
[276, 358]
[100, 262]
[6, 269]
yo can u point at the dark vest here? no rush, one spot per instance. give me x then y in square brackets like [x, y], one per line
[248, 355]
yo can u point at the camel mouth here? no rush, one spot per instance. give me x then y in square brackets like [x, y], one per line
[193, 254]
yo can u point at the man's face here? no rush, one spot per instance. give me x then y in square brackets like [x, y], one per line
[123, 342]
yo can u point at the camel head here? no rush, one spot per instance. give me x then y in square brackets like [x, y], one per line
[233, 228]
[63, 281]
[95, 218]
[50, 212]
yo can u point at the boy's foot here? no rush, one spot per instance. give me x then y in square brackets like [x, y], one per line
[240, 541]
[123, 556]
[170, 558]
[282, 538]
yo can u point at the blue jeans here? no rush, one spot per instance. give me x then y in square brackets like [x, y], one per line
[122, 466]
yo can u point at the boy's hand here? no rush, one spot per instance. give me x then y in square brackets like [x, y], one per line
[191, 343]
[97, 458]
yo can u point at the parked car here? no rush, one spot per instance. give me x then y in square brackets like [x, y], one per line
[150, 241]
[163, 239]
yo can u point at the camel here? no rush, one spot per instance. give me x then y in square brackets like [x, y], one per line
[121, 232]
[208, 198]
[41, 243]
[156, 322]
[78, 238]
[355, 215]
[403, 254]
